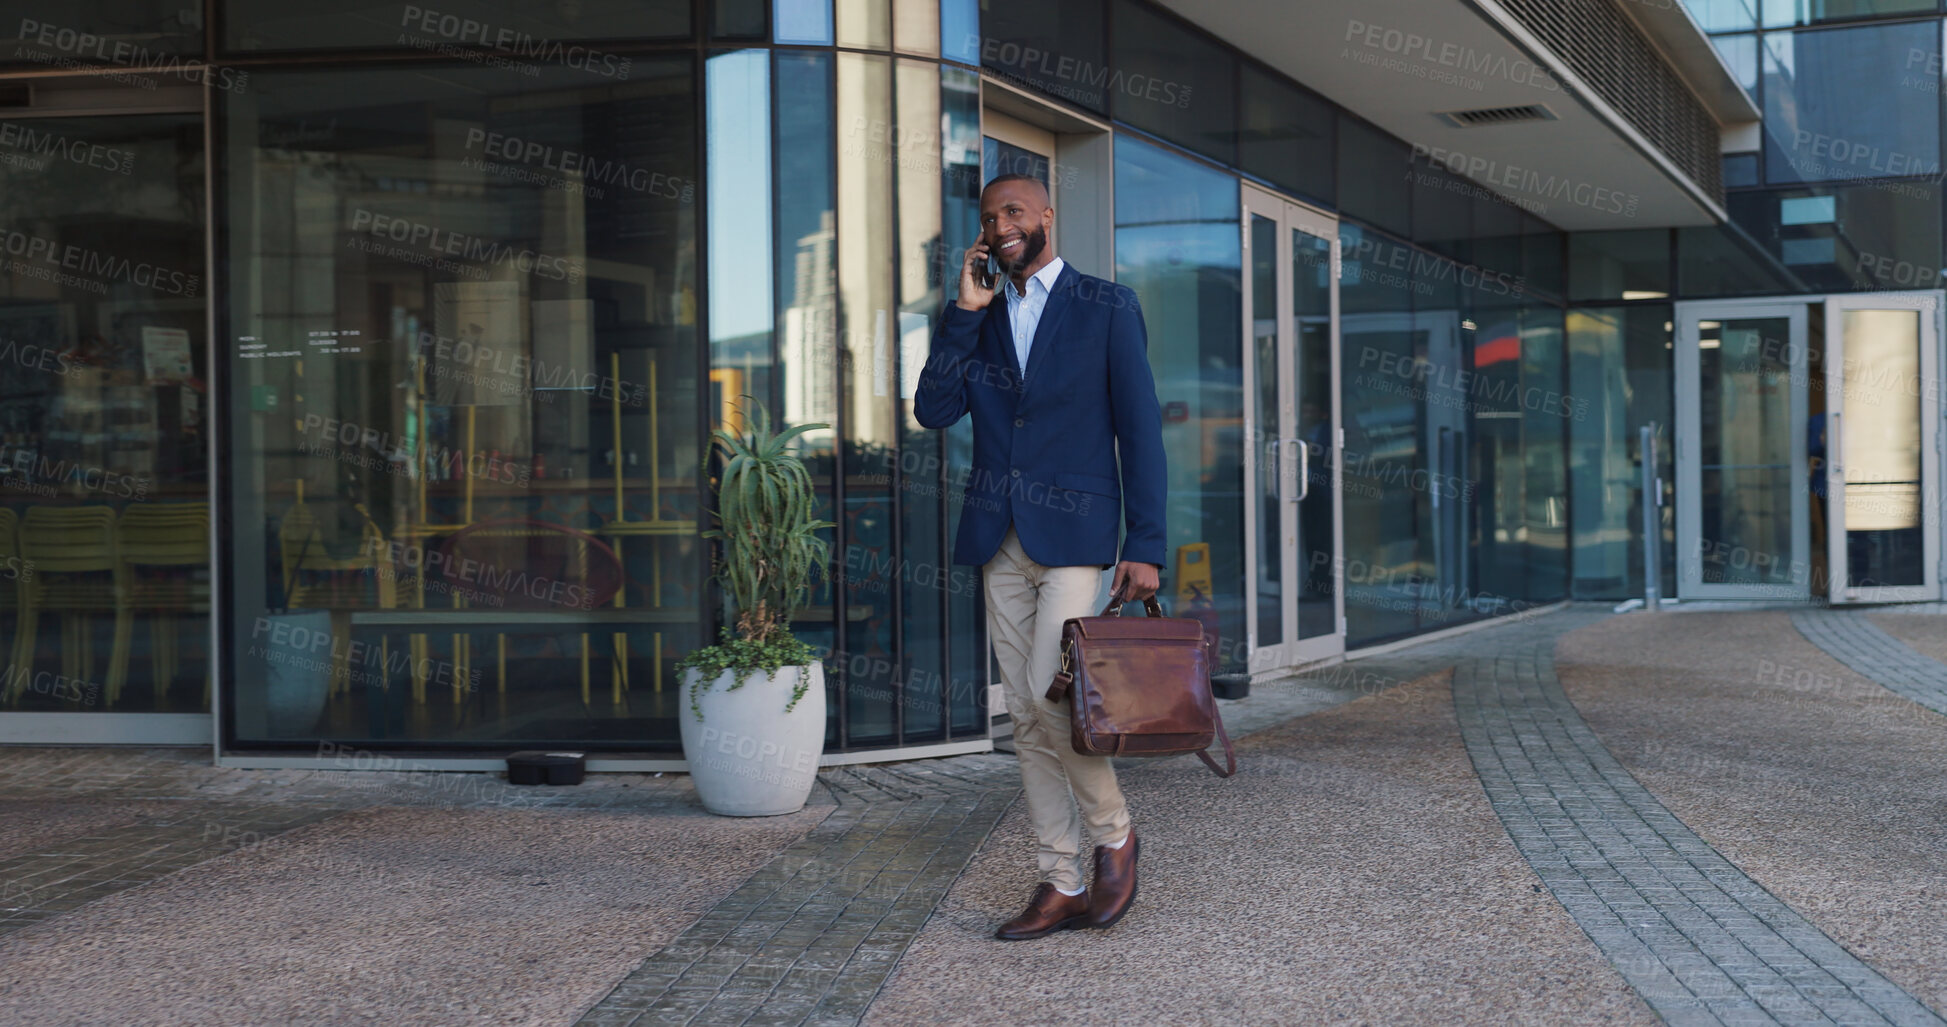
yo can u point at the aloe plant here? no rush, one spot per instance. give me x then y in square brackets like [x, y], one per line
[771, 551]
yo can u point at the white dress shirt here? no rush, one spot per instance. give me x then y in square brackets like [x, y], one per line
[1024, 312]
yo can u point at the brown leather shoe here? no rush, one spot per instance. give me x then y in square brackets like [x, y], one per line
[1114, 887]
[1047, 912]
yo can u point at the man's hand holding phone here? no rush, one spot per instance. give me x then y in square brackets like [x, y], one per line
[978, 279]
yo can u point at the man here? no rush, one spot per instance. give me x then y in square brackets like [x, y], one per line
[1056, 375]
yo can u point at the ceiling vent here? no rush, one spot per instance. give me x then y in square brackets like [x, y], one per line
[1486, 116]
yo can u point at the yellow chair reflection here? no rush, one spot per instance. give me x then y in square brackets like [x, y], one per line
[162, 546]
[70, 549]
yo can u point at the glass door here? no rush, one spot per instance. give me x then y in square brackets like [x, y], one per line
[1295, 607]
[1743, 478]
[1882, 505]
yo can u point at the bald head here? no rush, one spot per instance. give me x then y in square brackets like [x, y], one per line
[1015, 220]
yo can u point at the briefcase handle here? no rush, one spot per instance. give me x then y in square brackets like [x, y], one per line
[1114, 609]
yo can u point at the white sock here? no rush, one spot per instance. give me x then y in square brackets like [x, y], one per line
[1120, 844]
[1071, 894]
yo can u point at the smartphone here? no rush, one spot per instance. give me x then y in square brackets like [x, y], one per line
[992, 275]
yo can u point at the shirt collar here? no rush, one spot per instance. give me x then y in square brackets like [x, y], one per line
[1046, 276]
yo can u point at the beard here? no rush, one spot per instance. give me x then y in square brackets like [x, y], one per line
[1031, 247]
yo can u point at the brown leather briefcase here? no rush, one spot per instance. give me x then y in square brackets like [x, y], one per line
[1140, 686]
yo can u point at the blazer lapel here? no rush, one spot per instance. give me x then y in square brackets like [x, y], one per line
[1044, 333]
[1004, 334]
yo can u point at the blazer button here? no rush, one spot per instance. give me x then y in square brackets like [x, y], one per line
[1018, 422]
[1016, 473]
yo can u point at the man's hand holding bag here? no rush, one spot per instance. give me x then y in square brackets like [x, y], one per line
[1140, 686]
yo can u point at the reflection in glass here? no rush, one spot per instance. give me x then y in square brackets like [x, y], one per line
[960, 30]
[1724, 15]
[133, 34]
[1880, 434]
[1178, 246]
[1629, 264]
[1266, 442]
[916, 27]
[465, 405]
[1173, 81]
[104, 470]
[803, 21]
[508, 37]
[1619, 374]
[807, 316]
[1785, 13]
[1748, 479]
[1382, 397]
[864, 24]
[1286, 134]
[921, 269]
[1842, 104]
[1014, 38]
[999, 158]
[1547, 410]
[867, 364]
[1311, 310]
[959, 225]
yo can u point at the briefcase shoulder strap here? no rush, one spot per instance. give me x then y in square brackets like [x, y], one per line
[1230, 756]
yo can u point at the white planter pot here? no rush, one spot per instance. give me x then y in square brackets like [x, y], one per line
[747, 756]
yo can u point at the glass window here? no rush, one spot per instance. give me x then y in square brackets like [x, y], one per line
[865, 24]
[1740, 54]
[141, 35]
[1880, 236]
[1740, 170]
[1177, 245]
[960, 30]
[1380, 403]
[1174, 81]
[1496, 241]
[806, 322]
[804, 21]
[959, 226]
[921, 269]
[1285, 134]
[737, 19]
[1548, 407]
[462, 326]
[1443, 210]
[1373, 182]
[1541, 256]
[1628, 264]
[1786, 13]
[1724, 15]
[1721, 261]
[867, 456]
[1056, 47]
[104, 470]
[916, 27]
[525, 40]
[1619, 361]
[1852, 103]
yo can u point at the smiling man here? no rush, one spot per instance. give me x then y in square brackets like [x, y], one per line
[1056, 375]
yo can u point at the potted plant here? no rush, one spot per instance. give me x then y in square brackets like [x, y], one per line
[753, 705]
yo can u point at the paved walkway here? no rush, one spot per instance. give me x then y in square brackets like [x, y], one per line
[1713, 818]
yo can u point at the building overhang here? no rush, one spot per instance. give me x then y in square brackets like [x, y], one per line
[1404, 64]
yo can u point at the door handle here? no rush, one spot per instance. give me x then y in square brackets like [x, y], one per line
[1304, 470]
[1277, 467]
[1835, 454]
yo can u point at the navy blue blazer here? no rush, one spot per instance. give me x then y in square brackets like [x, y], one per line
[1045, 443]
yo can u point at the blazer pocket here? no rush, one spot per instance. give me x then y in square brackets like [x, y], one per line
[1088, 483]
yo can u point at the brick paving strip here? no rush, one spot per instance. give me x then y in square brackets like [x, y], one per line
[1847, 636]
[1699, 940]
[75, 871]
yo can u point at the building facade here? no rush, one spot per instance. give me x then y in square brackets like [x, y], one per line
[360, 364]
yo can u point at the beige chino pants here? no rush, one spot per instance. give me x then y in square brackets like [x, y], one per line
[1026, 605]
